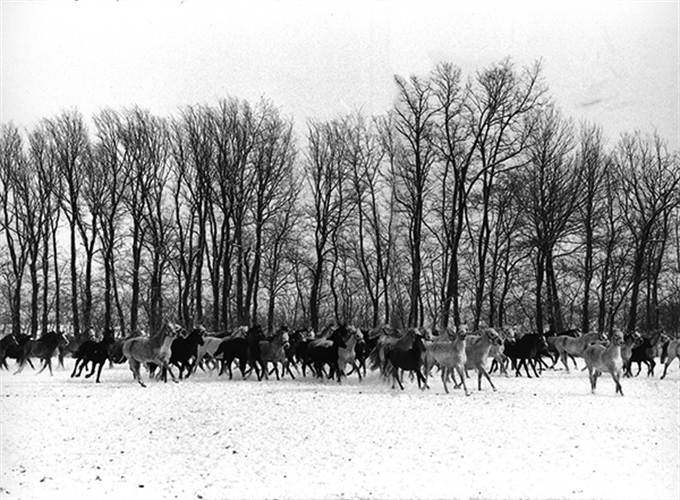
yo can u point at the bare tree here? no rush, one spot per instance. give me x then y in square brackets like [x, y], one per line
[614, 255]
[112, 158]
[503, 103]
[48, 191]
[414, 123]
[13, 222]
[193, 155]
[70, 146]
[550, 195]
[141, 136]
[273, 159]
[365, 156]
[650, 185]
[37, 187]
[327, 181]
[234, 132]
[159, 233]
[281, 240]
[594, 163]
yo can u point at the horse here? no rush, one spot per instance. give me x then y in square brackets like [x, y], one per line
[348, 355]
[449, 354]
[273, 351]
[408, 360]
[525, 351]
[645, 352]
[230, 349]
[605, 359]
[184, 349]
[569, 346]
[297, 345]
[93, 352]
[211, 344]
[43, 348]
[12, 346]
[155, 350]
[477, 349]
[387, 340]
[671, 350]
[324, 353]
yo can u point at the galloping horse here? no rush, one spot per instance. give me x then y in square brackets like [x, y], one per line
[155, 349]
[93, 352]
[12, 346]
[43, 348]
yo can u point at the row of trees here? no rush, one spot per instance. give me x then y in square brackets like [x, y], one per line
[471, 201]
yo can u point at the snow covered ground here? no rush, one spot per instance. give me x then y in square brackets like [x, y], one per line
[211, 438]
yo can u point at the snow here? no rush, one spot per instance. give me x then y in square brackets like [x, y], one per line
[211, 438]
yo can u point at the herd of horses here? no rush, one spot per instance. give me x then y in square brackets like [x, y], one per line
[341, 350]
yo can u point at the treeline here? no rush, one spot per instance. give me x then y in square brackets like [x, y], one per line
[471, 200]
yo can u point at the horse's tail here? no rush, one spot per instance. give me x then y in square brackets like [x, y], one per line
[664, 351]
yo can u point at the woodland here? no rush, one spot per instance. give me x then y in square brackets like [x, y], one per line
[473, 200]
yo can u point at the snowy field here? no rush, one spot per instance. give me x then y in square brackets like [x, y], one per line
[211, 438]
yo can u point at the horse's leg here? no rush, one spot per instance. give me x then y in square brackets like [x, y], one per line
[595, 375]
[592, 379]
[461, 373]
[75, 368]
[616, 378]
[94, 367]
[535, 362]
[135, 368]
[396, 375]
[166, 370]
[46, 362]
[652, 365]
[99, 372]
[573, 359]
[563, 358]
[485, 373]
[422, 377]
[22, 363]
[357, 368]
[668, 363]
[286, 366]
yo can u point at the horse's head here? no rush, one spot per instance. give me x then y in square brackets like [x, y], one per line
[493, 336]
[9, 341]
[196, 335]
[636, 338]
[509, 332]
[461, 331]
[617, 337]
[255, 332]
[339, 336]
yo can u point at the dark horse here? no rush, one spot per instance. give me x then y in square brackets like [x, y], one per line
[12, 346]
[231, 349]
[43, 348]
[327, 353]
[408, 360]
[184, 349]
[93, 352]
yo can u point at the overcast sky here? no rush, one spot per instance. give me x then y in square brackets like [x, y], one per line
[613, 63]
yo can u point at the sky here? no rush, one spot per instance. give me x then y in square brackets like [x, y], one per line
[612, 63]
